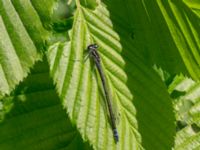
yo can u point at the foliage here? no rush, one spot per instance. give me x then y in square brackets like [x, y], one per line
[186, 103]
[58, 103]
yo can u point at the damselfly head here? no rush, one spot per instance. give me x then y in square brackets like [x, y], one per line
[92, 46]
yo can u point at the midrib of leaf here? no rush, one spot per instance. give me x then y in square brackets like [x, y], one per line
[79, 85]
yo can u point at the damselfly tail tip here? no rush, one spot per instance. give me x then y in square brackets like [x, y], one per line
[116, 136]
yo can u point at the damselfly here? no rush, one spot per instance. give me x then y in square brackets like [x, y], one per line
[94, 54]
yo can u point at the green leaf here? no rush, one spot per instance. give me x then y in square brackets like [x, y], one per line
[184, 26]
[165, 33]
[152, 101]
[187, 107]
[78, 84]
[187, 139]
[37, 120]
[188, 103]
[21, 41]
[45, 10]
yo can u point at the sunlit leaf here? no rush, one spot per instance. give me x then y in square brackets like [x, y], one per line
[187, 106]
[79, 86]
[21, 42]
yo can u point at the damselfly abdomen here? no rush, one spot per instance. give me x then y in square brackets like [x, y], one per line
[96, 57]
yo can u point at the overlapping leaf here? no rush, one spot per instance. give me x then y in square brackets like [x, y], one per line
[187, 139]
[154, 107]
[79, 86]
[21, 41]
[37, 120]
[165, 33]
[187, 105]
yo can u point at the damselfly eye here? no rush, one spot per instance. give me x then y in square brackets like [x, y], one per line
[93, 46]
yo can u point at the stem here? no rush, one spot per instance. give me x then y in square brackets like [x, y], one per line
[78, 3]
